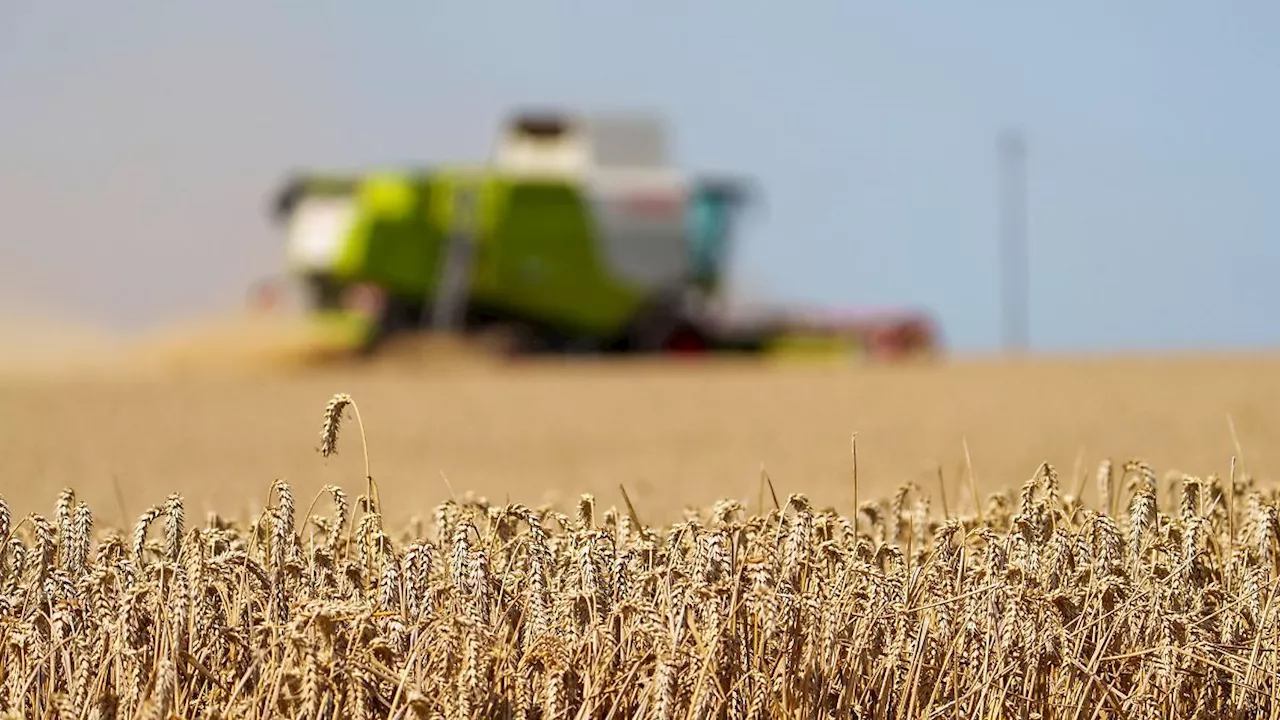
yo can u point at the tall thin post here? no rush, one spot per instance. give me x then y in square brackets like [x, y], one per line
[1014, 256]
[453, 284]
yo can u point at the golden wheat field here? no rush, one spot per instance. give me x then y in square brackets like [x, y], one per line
[673, 436]
[180, 547]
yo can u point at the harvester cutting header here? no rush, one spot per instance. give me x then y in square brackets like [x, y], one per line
[577, 236]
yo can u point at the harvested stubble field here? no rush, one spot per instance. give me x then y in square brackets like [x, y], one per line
[767, 605]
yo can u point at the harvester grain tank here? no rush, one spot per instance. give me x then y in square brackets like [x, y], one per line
[578, 235]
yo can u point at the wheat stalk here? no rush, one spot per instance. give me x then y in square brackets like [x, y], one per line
[329, 431]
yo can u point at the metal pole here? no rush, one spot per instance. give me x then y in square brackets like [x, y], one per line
[451, 292]
[1014, 255]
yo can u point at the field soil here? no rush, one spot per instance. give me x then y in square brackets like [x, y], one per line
[672, 435]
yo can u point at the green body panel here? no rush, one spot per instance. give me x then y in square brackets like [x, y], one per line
[393, 242]
[541, 257]
[537, 250]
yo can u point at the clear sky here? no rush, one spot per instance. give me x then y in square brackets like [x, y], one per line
[140, 142]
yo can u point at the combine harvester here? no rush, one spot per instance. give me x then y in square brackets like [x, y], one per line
[577, 237]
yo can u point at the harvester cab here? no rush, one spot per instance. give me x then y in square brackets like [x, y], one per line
[624, 162]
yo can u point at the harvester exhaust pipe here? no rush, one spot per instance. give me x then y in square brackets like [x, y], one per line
[449, 305]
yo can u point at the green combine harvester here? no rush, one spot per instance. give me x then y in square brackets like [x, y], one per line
[577, 237]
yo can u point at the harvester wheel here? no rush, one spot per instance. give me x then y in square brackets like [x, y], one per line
[687, 340]
[663, 326]
[517, 340]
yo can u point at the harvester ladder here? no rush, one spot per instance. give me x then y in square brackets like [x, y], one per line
[450, 301]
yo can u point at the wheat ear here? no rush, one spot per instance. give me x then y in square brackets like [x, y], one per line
[329, 437]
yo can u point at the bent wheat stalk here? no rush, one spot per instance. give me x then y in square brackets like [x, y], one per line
[329, 432]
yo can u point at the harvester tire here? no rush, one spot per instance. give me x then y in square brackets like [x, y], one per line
[662, 325]
[520, 340]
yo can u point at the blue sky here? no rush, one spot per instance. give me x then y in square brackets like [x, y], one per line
[139, 143]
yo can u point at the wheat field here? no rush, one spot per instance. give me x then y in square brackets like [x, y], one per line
[603, 543]
[673, 436]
